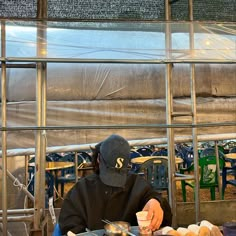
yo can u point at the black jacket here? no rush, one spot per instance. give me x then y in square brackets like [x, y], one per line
[90, 201]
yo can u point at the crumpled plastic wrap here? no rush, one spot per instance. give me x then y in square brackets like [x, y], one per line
[117, 113]
[68, 82]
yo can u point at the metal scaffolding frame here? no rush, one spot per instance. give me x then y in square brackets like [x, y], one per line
[40, 144]
[171, 114]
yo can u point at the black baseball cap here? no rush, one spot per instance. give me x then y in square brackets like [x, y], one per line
[114, 160]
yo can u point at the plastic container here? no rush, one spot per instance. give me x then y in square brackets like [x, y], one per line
[229, 229]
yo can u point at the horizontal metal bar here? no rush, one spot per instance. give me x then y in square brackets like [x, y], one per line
[25, 66]
[18, 211]
[119, 61]
[179, 177]
[177, 114]
[138, 142]
[19, 218]
[129, 126]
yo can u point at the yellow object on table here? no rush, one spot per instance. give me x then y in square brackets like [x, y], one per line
[140, 160]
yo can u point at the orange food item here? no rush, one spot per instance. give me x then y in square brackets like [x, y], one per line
[204, 231]
[215, 231]
[173, 232]
[185, 232]
[190, 234]
[194, 228]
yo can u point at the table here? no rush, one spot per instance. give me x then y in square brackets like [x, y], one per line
[55, 165]
[140, 160]
[231, 156]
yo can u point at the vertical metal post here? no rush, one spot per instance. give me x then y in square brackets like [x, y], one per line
[195, 146]
[27, 158]
[39, 161]
[39, 203]
[169, 110]
[194, 116]
[170, 142]
[167, 10]
[190, 9]
[4, 133]
[76, 167]
[218, 169]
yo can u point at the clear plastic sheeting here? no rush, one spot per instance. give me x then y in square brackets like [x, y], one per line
[113, 74]
[73, 81]
[114, 113]
[127, 41]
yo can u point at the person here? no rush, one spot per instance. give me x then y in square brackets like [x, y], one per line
[112, 193]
